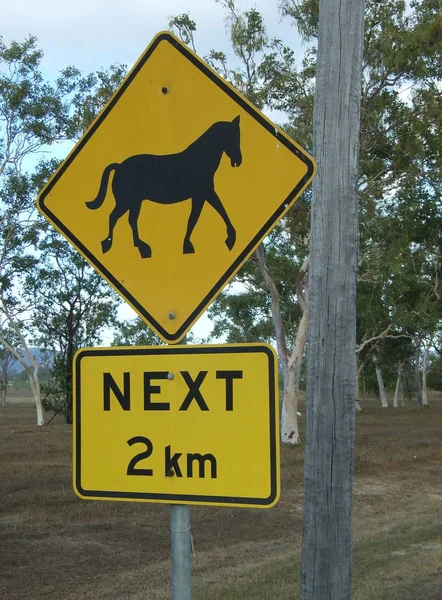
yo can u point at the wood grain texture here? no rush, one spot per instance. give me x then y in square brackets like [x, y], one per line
[326, 562]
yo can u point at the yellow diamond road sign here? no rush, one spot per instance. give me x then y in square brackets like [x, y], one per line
[173, 186]
[177, 424]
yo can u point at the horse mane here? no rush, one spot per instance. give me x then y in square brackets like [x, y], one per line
[212, 130]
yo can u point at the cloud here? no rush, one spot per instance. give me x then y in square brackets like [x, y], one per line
[92, 34]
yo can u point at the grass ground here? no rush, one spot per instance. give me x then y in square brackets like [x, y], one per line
[54, 545]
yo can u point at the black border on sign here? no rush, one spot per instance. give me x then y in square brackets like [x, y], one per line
[188, 498]
[178, 335]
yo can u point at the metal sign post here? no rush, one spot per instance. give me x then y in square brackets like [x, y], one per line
[181, 578]
[180, 552]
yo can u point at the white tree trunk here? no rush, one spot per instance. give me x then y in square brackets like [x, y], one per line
[382, 394]
[326, 561]
[399, 392]
[37, 394]
[291, 367]
[417, 376]
[289, 413]
[359, 368]
[424, 376]
[289, 417]
[31, 368]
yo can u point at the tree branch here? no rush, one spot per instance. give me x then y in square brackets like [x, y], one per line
[276, 310]
[299, 283]
[382, 335]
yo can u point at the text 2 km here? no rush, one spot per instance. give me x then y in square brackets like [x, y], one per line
[172, 463]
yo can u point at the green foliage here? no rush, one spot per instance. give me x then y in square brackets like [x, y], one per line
[399, 185]
[245, 315]
[134, 333]
[305, 14]
[33, 115]
[434, 379]
[264, 72]
[33, 112]
[92, 92]
[289, 87]
[72, 305]
[57, 392]
[400, 163]
[46, 291]
[249, 43]
[7, 360]
[185, 28]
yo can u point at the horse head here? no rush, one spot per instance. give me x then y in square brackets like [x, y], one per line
[232, 148]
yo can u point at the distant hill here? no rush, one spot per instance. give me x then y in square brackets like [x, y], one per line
[41, 357]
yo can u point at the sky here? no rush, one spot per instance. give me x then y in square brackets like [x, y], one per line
[93, 34]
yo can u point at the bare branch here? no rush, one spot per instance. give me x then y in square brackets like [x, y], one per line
[300, 282]
[382, 336]
[373, 339]
[276, 310]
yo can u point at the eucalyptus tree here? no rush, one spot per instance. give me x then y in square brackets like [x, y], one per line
[399, 174]
[400, 153]
[415, 290]
[72, 306]
[258, 312]
[7, 361]
[134, 332]
[399, 147]
[435, 370]
[35, 114]
[32, 114]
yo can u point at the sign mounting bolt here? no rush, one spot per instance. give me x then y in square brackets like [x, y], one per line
[164, 89]
[171, 315]
[170, 376]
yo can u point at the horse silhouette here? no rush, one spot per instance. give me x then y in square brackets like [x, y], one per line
[172, 178]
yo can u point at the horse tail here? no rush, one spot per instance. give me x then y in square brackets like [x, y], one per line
[94, 204]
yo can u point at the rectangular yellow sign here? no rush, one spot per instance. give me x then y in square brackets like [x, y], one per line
[182, 424]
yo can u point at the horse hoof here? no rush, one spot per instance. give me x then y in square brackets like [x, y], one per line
[230, 241]
[106, 245]
[145, 251]
[188, 248]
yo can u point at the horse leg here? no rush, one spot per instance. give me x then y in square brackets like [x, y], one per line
[197, 206]
[143, 248]
[116, 214]
[213, 200]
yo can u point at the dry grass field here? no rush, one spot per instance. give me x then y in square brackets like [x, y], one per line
[54, 545]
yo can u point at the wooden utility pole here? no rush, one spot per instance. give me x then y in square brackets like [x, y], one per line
[326, 563]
